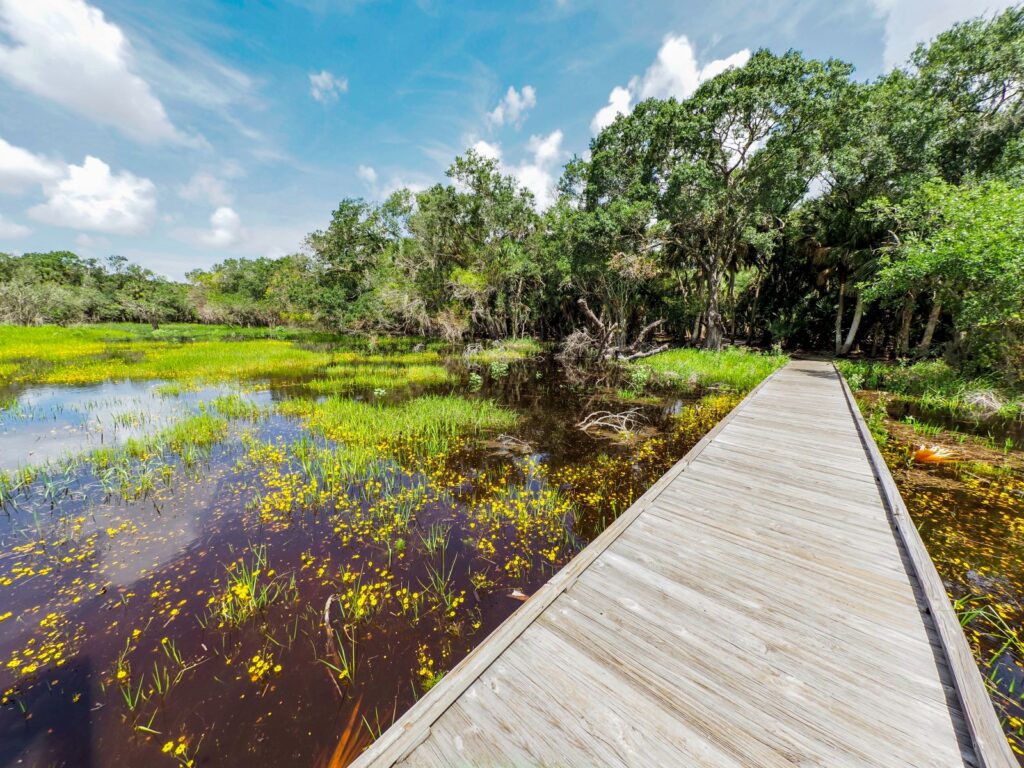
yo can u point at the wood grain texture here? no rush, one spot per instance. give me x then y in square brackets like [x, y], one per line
[767, 602]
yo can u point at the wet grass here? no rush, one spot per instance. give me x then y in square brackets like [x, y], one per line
[505, 351]
[732, 369]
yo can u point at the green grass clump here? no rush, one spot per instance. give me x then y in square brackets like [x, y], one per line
[382, 375]
[235, 406]
[423, 426]
[506, 351]
[732, 369]
[934, 385]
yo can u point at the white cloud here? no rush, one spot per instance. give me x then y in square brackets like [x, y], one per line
[487, 149]
[90, 197]
[10, 230]
[66, 51]
[205, 187]
[539, 173]
[674, 74]
[326, 87]
[225, 228]
[20, 169]
[620, 101]
[367, 174]
[513, 108]
[909, 22]
[380, 189]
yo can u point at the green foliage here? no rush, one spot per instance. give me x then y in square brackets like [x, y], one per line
[936, 386]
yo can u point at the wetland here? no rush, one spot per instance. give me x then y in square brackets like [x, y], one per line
[215, 550]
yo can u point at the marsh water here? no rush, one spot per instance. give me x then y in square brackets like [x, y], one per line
[240, 606]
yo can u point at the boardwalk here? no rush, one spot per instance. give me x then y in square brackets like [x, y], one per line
[766, 603]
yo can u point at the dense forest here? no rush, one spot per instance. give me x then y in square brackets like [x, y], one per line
[784, 203]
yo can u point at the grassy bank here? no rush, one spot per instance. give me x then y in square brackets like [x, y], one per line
[936, 386]
[733, 370]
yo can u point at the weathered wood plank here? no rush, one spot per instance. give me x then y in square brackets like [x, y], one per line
[767, 602]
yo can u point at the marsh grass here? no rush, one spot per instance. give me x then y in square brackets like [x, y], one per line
[235, 406]
[935, 387]
[380, 376]
[92, 354]
[732, 369]
[424, 426]
[251, 588]
[505, 351]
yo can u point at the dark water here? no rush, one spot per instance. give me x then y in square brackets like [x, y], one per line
[116, 647]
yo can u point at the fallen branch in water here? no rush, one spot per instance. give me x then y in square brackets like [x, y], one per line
[626, 421]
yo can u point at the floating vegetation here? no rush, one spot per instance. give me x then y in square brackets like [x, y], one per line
[295, 554]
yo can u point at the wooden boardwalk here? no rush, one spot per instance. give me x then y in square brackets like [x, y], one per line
[768, 602]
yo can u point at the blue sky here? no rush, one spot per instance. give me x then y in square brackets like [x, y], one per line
[179, 133]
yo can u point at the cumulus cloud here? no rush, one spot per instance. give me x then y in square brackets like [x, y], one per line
[367, 174]
[675, 73]
[326, 87]
[206, 187]
[66, 51]
[487, 149]
[92, 198]
[21, 169]
[620, 102]
[513, 107]
[539, 172]
[225, 228]
[10, 230]
[909, 22]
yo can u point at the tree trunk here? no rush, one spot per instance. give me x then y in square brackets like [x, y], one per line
[752, 315]
[713, 319]
[858, 313]
[906, 317]
[732, 306]
[933, 321]
[839, 317]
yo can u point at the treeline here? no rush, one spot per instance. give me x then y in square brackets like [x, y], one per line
[60, 287]
[783, 203]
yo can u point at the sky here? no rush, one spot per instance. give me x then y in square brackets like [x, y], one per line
[179, 133]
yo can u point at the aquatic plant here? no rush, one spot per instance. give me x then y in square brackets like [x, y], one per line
[504, 351]
[736, 370]
[251, 589]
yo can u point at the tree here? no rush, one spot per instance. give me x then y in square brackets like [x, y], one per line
[965, 244]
